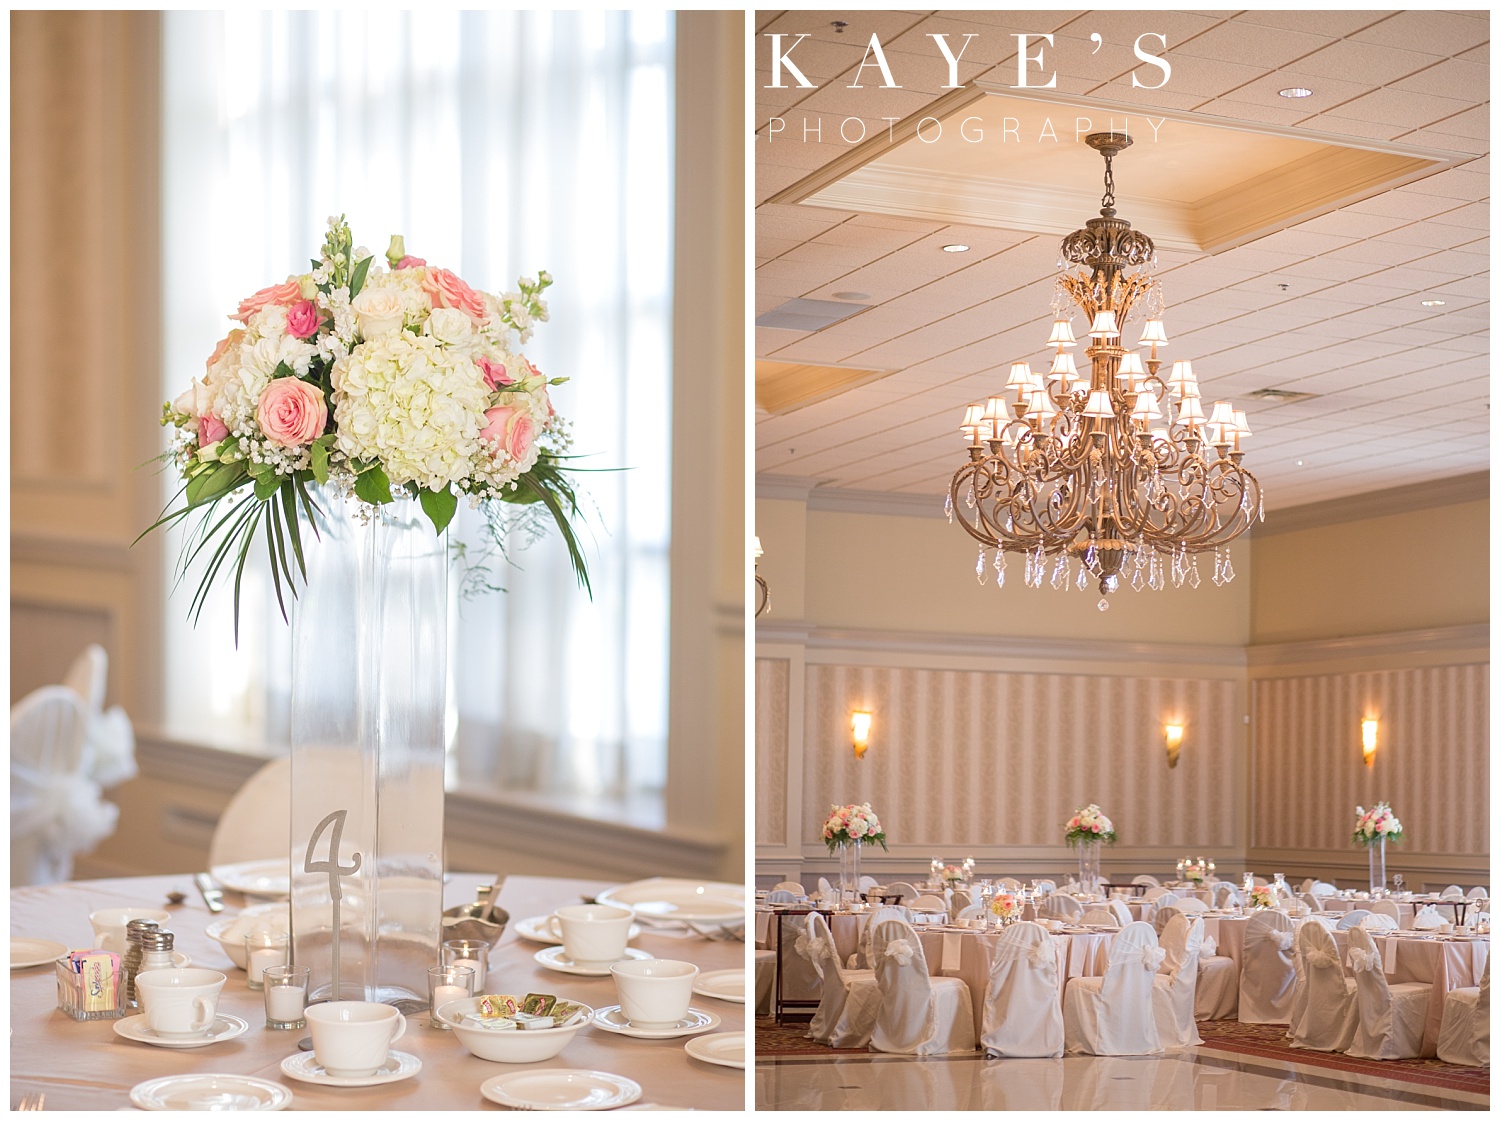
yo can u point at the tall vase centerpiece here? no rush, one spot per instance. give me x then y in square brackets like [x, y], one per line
[845, 832]
[1373, 828]
[1087, 831]
[342, 421]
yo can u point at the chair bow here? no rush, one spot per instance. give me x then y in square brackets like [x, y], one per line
[1152, 957]
[1322, 959]
[1283, 938]
[1208, 949]
[1042, 952]
[901, 950]
[1362, 960]
[64, 810]
[806, 946]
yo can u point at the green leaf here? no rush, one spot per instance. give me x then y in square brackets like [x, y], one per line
[293, 530]
[266, 486]
[373, 486]
[282, 371]
[319, 460]
[440, 506]
[357, 279]
[575, 553]
[213, 483]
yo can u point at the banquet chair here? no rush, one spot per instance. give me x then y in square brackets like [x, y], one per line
[862, 958]
[1391, 1018]
[1022, 1015]
[1306, 885]
[1217, 996]
[1313, 903]
[1063, 907]
[1351, 918]
[972, 911]
[960, 900]
[1225, 894]
[1478, 893]
[826, 891]
[1121, 912]
[928, 903]
[830, 1023]
[1385, 907]
[56, 809]
[1189, 903]
[1324, 1015]
[1452, 891]
[1380, 922]
[1113, 1015]
[1267, 972]
[1321, 888]
[1009, 883]
[905, 890]
[257, 823]
[1046, 887]
[1175, 985]
[109, 743]
[1150, 881]
[791, 886]
[868, 882]
[1259, 881]
[1465, 1036]
[765, 981]
[1165, 899]
[1162, 916]
[919, 1014]
[781, 896]
[1100, 916]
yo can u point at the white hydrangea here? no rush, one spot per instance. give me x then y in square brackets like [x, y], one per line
[241, 375]
[414, 405]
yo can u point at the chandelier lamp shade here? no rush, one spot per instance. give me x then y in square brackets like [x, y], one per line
[1118, 476]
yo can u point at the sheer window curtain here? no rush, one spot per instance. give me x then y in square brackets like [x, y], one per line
[499, 143]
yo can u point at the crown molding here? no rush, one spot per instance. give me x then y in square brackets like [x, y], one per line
[1473, 487]
[1468, 639]
[793, 488]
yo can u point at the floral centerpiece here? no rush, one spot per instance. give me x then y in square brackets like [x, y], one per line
[1005, 907]
[953, 875]
[1264, 896]
[847, 824]
[377, 382]
[1089, 824]
[1373, 826]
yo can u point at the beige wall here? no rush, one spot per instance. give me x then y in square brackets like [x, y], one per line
[1418, 568]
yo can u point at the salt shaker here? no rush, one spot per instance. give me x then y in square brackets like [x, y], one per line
[131, 964]
[156, 951]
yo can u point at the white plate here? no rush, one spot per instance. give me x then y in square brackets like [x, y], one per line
[696, 1021]
[535, 929]
[27, 952]
[560, 1089]
[270, 879]
[666, 900]
[554, 957]
[722, 984]
[211, 1092]
[304, 1067]
[224, 1027]
[725, 1048]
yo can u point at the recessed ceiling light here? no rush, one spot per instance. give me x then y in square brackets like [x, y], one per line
[851, 295]
[955, 248]
[1295, 91]
[1299, 463]
[1433, 303]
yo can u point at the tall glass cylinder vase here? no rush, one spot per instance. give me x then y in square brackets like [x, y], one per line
[849, 873]
[369, 683]
[1377, 867]
[1088, 867]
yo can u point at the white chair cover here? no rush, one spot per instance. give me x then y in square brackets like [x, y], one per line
[1478, 893]
[110, 740]
[1305, 885]
[1391, 1018]
[867, 882]
[1152, 881]
[1010, 883]
[1112, 1015]
[1099, 916]
[826, 891]
[919, 1014]
[1225, 894]
[781, 895]
[1351, 918]
[1190, 903]
[1218, 995]
[972, 911]
[1176, 985]
[1162, 917]
[1429, 918]
[1063, 907]
[1022, 1015]
[829, 1023]
[928, 903]
[862, 958]
[1046, 887]
[1314, 903]
[1381, 922]
[960, 900]
[765, 981]
[790, 885]
[1326, 1011]
[1465, 1037]
[905, 890]
[1321, 888]
[1267, 971]
[56, 809]
[1385, 907]
[1121, 912]
[1452, 891]
[1153, 893]
[1165, 899]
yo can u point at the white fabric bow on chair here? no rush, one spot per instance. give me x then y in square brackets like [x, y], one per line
[1363, 959]
[901, 950]
[1284, 938]
[64, 811]
[1042, 953]
[1321, 959]
[1427, 919]
[1208, 949]
[1152, 958]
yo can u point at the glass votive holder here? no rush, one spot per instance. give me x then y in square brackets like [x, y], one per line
[285, 988]
[473, 951]
[447, 983]
[263, 949]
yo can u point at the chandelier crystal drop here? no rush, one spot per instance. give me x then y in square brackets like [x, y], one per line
[1118, 469]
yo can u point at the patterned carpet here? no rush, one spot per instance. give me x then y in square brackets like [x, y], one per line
[1266, 1041]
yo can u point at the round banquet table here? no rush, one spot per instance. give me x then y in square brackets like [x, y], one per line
[85, 1066]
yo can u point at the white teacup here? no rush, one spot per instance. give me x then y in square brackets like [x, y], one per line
[654, 993]
[352, 1038]
[109, 925]
[592, 934]
[180, 1003]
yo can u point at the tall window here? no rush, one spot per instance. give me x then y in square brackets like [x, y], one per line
[499, 144]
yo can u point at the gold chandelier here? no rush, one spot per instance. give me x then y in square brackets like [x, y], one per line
[1071, 473]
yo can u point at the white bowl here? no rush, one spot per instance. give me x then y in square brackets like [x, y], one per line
[518, 1046]
[235, 947]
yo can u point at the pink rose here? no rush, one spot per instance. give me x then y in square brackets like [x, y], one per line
[302, 320]
[510, 429]
[225, 343]
[444, 289]
[410, 262]
[495, 373]
[210, 430]
[291, 412]
[286, 293]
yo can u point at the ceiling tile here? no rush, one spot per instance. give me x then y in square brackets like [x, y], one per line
[1447, 33]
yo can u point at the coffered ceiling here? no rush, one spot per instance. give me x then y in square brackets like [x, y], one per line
[1343, 305]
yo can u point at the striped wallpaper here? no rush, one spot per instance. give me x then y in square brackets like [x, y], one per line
[1432, 763]
[772, 701]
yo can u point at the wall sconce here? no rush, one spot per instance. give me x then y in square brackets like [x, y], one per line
[860, 723]
[1173, 735]
[762, 589]
[1369, 733]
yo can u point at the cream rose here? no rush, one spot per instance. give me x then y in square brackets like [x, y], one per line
[451, 326]
[380, 312]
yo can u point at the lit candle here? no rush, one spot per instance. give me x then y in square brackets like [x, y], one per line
[258, 961]
[445, 994]
[284, 1002]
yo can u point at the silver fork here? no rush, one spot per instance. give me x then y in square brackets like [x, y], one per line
[31, 1102]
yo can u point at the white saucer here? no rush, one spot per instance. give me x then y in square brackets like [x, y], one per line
[560, 1089]
[27, 952]
[224, 1027]
[211, 1092]
[612, 1019]
[268, 879]
[725, 1048]
[555, 958]
[304, 1067]
[722, 984]
[535, 929]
